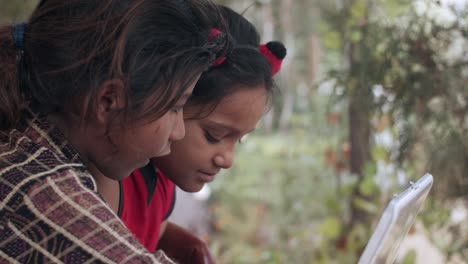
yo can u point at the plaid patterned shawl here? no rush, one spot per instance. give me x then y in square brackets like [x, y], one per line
[50, 211]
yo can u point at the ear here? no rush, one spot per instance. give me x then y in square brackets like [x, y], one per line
[110, 98]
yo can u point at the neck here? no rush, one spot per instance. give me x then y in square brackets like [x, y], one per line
[74, 134]
[79, 136]
[107, 188]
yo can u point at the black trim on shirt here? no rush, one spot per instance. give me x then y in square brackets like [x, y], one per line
[172, 204]
[119, 210]
[150, 176]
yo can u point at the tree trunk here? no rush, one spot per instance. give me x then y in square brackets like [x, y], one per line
[360, 97]
[314, 54]
[267, 33]
[288, 72]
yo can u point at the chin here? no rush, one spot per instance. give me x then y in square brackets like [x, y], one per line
[110, 173]
[164, 153]
[123, 175]
[191, 188]
[115, 176]
[142, 164]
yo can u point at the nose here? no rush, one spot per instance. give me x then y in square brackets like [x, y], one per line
[178, 130]
[225, 159]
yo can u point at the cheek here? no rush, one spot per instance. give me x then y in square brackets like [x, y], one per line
[191, 146]
[146, 139]
[158, 131]
[122, 142]
[256, 113]
[161, 126]
[195, 137]
[186, 146]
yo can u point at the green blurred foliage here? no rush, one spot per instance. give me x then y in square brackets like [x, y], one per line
[289, 195]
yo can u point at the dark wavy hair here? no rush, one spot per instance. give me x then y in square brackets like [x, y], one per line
[244, 67]
[155, 47]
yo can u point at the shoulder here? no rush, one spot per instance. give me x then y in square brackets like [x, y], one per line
[32, 154]
[49, 185]
[24, 164]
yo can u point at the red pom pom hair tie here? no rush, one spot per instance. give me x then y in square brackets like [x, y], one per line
[214, 32]
[274, 52]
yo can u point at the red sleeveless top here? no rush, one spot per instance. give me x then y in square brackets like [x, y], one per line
[147, 198]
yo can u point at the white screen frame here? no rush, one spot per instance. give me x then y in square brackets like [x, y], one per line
[395, 223]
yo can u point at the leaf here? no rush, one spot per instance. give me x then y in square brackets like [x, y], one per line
[333, 204]
[368, 187]
[379, 153]
[356, 36]
[409, 258]
[330, 228]
[358, 9]
[370, 169]
[365, 205]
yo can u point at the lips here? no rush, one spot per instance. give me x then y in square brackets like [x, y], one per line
[209, 173]
[207, 176]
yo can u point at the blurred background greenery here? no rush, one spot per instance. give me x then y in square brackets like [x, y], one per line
[374, 94]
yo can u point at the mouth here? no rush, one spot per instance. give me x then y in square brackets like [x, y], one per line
[206, 176]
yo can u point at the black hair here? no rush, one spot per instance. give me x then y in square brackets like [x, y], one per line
[244, 67]
[155, 47]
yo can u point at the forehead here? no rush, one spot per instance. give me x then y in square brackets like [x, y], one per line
[240, 110]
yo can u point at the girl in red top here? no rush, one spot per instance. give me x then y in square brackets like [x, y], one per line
[226, 104]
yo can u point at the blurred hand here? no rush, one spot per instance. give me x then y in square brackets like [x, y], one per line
[184, 247]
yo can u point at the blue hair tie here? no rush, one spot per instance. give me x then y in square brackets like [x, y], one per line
[186, 8]
[18, 36]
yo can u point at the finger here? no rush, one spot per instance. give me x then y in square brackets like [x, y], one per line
[197, 256]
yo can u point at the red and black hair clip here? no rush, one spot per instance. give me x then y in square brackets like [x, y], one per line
[214, 32]
[275, 52]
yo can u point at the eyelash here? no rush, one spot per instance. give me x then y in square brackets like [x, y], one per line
[213, 140]
[210, 138]
[177, 109]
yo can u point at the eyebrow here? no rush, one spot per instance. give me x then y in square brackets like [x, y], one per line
[228, 127]
[185, 97]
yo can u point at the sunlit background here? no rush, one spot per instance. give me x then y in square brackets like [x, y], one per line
[374, 94]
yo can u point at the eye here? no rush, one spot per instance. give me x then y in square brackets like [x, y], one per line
[210, 138]
[177, 109]
[242, 139]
